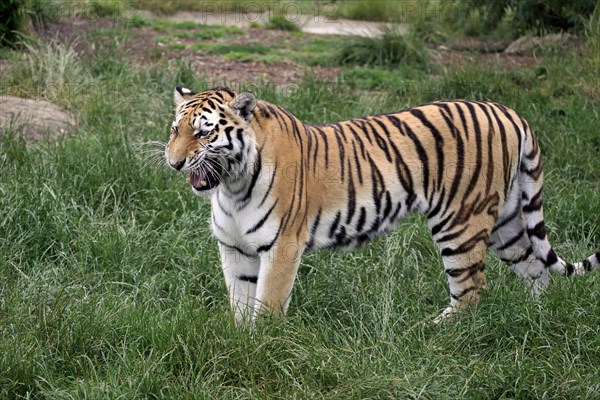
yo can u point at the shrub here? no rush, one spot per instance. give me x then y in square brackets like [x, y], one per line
[281, 23]
[388, 49]
[537, 16]
[12, 19]
[371, 10]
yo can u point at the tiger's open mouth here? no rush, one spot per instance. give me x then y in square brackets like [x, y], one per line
[201, 180]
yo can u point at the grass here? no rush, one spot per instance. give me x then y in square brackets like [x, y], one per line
[389, 49]
[110, 285]
[281, 23]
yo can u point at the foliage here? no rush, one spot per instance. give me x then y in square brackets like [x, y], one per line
[389, 49]
[282, 23]
[592, 33]
[537, 16]
[371, 10]
[12, 18]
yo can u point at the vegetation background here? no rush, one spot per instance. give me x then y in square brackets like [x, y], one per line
[110, 285]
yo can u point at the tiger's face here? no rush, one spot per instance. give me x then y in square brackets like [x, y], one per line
[211, 138]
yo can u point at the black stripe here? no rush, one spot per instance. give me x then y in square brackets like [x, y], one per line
[490, 160]
[388, 205]
[270, 186]
[439, 142]
[397, 123]
[451, 236]
[509, 218]
[255, 175]
[381, 142]
[342, 151]
[460, 156]
[522, 258]
[438, 207]
[535, 204]
[587, 265]
[351, 196]
[262, 220]
[361, 126]
[378, 185]
[538, 231]
[478, 158]
[228, 134]
[335, 224]
[357, 163]
[512, 241]
[248, 278]
[267, 247]
[227, 213]
[324, 137]
[468, 245]
[551, 258]
[505, 155]
[469, 271]
[396, 212]
[236, 249]
[362, 217]
[359, 140]
[438, 227]
[422, 153]
[278, 117]
[240, 138]
[313, 230]
[462, 293]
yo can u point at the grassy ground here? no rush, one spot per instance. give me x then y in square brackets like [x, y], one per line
[110, 285]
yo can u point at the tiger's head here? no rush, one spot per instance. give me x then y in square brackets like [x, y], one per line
[211, 137]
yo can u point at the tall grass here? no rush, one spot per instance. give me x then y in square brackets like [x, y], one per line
[592, 32]
[388, 49]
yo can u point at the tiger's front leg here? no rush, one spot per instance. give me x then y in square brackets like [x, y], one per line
[241, 277]
[278, 269]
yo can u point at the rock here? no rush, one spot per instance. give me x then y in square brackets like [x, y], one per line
[528, 44]
[35, 120]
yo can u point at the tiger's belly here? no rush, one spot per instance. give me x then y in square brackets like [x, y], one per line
[345, 228]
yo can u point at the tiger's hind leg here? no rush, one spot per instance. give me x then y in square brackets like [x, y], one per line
[511, 243]
[463, 250]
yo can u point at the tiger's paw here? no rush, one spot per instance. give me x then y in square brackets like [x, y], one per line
[447, 314]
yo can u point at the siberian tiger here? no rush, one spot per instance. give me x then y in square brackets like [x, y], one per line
[279, 187]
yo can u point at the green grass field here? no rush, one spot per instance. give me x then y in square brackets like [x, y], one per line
[110, 284]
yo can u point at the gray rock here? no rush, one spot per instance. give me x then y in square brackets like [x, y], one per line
[528, 44]
[35, 120]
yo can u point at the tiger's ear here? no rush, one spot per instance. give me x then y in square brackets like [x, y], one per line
[243, 104]
[181, 94]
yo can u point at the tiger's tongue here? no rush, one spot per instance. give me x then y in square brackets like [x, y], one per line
[197, 179]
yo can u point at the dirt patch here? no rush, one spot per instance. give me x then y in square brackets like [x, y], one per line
[143, 46]
[446, 56]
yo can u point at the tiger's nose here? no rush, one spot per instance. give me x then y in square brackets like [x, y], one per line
[176, 164]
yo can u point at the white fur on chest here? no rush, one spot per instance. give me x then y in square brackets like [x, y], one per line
[248, 225]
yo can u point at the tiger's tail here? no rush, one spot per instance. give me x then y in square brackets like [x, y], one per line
[531, 182]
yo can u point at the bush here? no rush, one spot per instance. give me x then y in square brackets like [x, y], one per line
[281, 23]
[536, 16]
[389, 49]
[12, 19]
[369, 10]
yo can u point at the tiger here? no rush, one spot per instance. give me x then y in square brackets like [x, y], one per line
[279, 187]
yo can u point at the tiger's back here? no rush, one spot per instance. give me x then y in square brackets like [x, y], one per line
[473, 168]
